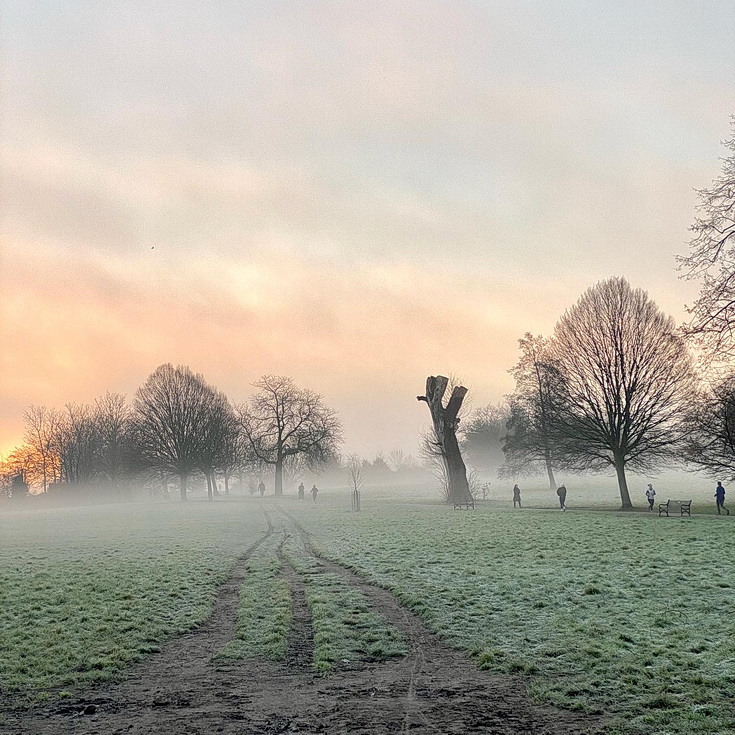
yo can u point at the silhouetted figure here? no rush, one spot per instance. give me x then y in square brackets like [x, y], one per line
[561, 493]
[261, 488]
[516, 496]
[650, 495]
[314, 492]
[301, 491]
[720, 499]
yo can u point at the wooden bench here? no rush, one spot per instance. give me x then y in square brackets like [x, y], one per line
[465, 504]
[684, 506]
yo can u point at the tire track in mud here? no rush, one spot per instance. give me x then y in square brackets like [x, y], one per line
[391, 609]
[300, 655]
[434, 675]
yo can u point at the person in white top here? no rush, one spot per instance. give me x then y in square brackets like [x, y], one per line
[650, 495]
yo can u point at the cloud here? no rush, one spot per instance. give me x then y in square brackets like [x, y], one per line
[355, 194]
[77, 326]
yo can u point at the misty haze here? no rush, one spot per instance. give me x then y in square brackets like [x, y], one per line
[367, 367]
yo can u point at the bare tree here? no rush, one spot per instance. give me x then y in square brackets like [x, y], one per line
[114, 424]
[171, 411]
[22, 462]
[401, 463]
[445, 421]
[41, 434]
[532, 407]
[282, 421]
[79, 442]
[232, 458]
[627, 377]
[483, 437]
[355, 478]
[712, 258]
[219, 431]
[710, 433]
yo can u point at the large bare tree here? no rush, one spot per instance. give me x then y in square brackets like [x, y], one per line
[529, 441]
[627, 378]
[281, 420]
[712, 258]
[172, 412]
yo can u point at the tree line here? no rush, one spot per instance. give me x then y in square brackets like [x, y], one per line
[177, 426]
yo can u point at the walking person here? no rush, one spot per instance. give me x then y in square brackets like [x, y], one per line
[720, 499]
[516, 496]
[301, 491]
[261, 488]
[561, 493]
[650, 495]
[314, 492]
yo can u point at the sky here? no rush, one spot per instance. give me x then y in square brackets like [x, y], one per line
[354, 193]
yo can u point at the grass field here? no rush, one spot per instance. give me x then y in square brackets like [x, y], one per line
[624, 614]
[86, 591]
[620, 613]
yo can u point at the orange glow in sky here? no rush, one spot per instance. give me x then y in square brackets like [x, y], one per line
[354, 194]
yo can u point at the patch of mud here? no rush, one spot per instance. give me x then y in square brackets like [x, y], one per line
[184, 690]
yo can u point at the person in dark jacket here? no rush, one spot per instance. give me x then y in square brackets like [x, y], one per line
[561, 493]
[516, 496]
[720, 499]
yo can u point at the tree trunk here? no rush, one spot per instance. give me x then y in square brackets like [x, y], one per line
[227, 483]
[550, 472]
[279, 476]
[622, 483]
[208, 475]
[445, 423]
[182, 486]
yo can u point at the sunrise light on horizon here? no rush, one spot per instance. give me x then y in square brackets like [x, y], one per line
[356, 195]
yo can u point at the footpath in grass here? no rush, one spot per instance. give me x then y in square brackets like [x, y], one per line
[84, 592]
[264, 609]
[624, 614]
[346, 629]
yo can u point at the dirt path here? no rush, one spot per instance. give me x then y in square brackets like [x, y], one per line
[183, 691]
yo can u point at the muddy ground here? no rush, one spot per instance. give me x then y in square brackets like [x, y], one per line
[183, 691]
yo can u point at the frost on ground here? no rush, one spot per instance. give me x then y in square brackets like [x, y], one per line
[623, 614]
[399, 676]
